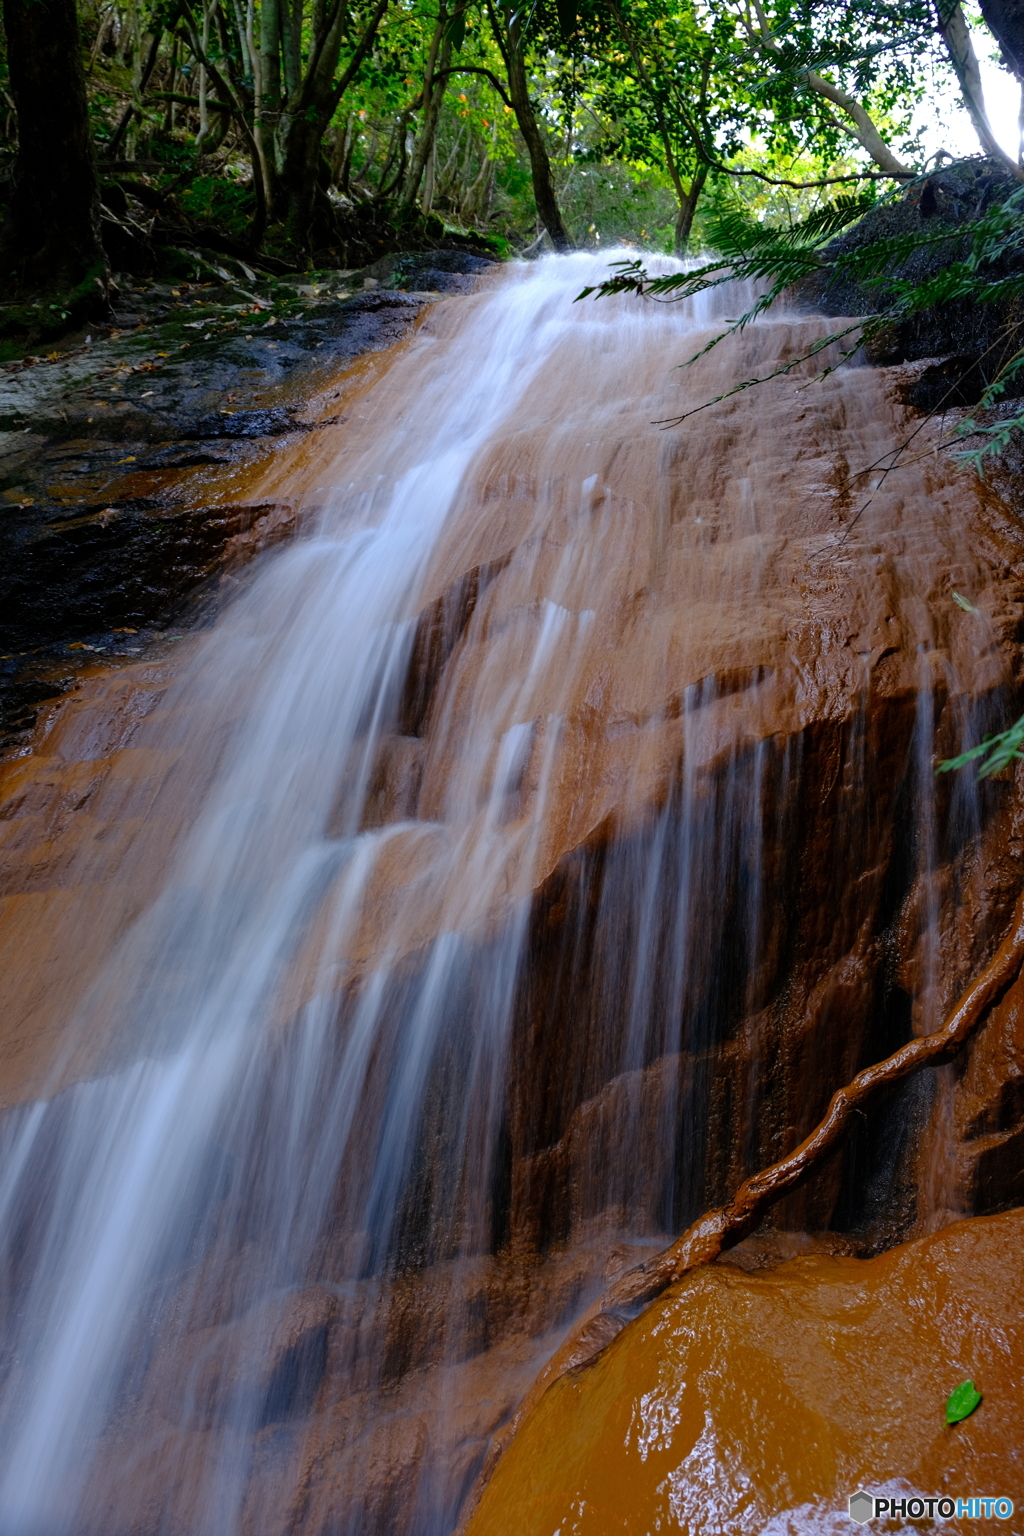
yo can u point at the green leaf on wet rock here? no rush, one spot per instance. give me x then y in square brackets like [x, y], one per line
[962, 1402]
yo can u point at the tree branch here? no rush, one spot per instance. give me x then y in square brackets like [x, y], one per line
[362, 49]
[823, 181]
[475, 69]
[862, 128]
[147, 69]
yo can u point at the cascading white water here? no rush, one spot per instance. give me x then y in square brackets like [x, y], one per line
[316, 651]
[308, 1034]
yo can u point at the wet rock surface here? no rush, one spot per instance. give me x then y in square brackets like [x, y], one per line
[745, 681]
[967, 344]
[122, 457]
[758, 1402]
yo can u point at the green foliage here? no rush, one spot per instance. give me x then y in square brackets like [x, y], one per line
[962, 1402]
[648, 110]
[214, 200]
[992, 755]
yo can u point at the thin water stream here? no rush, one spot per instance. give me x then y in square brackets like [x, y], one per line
[507, 801]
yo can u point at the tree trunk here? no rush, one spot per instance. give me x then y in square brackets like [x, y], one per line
[433, 95]
[540, 166]
[957, 38]
[269, 112]
[1005, 20]
[306, 116]
[687, 209]
[51, 236]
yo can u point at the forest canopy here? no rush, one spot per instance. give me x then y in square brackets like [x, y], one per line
[299, 133]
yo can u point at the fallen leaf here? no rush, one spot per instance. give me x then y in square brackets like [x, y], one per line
[962, 1402]
[964, 603]
[129, 460]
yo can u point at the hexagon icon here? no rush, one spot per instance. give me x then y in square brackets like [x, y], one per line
[861, 1506]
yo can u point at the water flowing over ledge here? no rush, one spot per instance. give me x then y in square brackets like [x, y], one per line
[522, 858]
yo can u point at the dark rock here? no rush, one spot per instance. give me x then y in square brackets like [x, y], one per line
[78, 556]
[429, 271]
[969, 337]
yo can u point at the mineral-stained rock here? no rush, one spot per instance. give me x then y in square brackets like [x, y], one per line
[760, 1401]
[715, 665]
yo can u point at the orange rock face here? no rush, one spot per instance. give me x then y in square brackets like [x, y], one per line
[758, 1402]
[664, 735]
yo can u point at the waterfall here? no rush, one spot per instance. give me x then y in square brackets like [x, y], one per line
[485, 788]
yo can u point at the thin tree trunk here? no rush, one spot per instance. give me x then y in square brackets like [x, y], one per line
[429, 181]
[442, 179]
[307, 114]
[204, 117]
[957, 38]
[478, 191]
[368, 159]
[687, 197]
[270, 75]
[51, 236]
[433, 95]
[687, 209]
[291, 45]
[171, 110]
[229, 92]
[129, 112]
[512, 50]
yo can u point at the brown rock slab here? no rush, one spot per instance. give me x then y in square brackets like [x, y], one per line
[758, 1402]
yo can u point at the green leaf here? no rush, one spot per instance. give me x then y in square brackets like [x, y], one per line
[964, 603]
[962, 1402]
[997, 751]
[457, 30]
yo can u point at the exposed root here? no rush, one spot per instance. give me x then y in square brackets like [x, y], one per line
[728, 1224]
